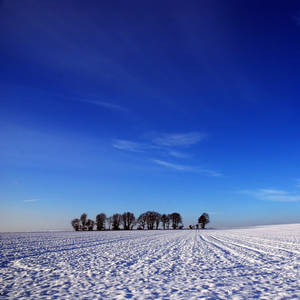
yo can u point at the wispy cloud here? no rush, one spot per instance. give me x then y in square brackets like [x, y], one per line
[210, 173]
[107, 105]
[172, 166]
[273, 195]
[128, 145]
[166, 145]
[178, 154]
[298, 183]
[186, 168]
[30, 200]
[179, 139]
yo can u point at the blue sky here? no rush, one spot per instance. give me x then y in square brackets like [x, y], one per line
[169, 106]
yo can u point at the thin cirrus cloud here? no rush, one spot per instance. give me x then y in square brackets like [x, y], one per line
[273, 195]
[163, 142]
[178, 154]
[179, 139]
[106, 105]
[180, 167]
[30, 200]
[167, 144]
[128, 145]
[172, 166]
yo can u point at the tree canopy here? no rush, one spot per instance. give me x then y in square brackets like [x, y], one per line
[203, 220]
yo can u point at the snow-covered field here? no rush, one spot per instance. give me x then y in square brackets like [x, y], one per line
[259, 262]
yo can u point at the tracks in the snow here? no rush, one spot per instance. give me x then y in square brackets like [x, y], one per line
[187, 264]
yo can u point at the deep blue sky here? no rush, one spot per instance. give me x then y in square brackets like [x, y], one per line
[166, 105]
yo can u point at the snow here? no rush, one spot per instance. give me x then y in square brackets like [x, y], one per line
[259, 262]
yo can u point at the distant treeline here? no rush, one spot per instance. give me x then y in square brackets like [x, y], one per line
[149, 220]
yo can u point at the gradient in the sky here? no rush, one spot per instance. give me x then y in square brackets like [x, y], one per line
[159, 105]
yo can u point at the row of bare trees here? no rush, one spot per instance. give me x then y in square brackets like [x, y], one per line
[149, 220]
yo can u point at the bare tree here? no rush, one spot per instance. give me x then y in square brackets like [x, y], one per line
[203, 220]
[142, 220]
[164, 220]
[176, 219]
[157, 220]
[83, 221]
[116, 221]
[76, 224]
[127, 220]
[151, 217]
[109, 222]
[100, 221]
[168, 221]
[90, 224]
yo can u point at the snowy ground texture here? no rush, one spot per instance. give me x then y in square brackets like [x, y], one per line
[260, 262]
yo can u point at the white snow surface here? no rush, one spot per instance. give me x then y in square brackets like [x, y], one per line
[259, 262]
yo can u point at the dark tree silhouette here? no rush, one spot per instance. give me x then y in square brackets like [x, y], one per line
[109, 222]
[142, 220]
[83, 221]
[203, 220]
[128, 220]
[76, 224]
[164, 219]
[116, 221]
[151, 217]
[157, 220]
[90, 224]
[176, 219]
[100, 221]
[168, 221]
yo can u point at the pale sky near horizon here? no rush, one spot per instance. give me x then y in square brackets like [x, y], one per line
[133, 106]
